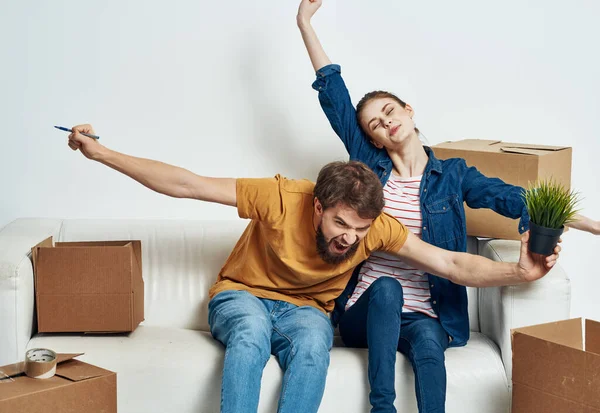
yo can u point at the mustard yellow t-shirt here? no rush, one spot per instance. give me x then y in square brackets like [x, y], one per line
[276, 256]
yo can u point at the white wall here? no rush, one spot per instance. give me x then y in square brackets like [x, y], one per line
[223, 88]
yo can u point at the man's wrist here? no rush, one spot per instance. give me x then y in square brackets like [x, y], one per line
[519, 274]
[101, 154]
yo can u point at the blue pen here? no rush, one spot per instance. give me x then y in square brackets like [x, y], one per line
[84, 134]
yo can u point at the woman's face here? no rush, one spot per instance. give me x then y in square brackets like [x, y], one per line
[387, 123]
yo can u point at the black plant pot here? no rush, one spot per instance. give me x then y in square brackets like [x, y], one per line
[542, 240]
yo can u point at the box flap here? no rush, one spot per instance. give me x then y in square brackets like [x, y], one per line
[76, 370]
[520, 151]
[592, 336]
[137, 303]
[531, 150]
[61, 357]
[23, 386]
[567, 332]
[533, 147]
[12, 370]
[93, 243]
[47, 243]
[15, 369]
[552, 368]
[137, 253]
[525, 148]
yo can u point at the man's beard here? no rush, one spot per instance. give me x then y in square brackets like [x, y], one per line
[327, 256]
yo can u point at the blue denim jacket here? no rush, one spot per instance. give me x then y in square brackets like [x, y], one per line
[446, 184]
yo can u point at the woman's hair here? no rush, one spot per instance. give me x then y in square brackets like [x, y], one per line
[376, 94]
[352, 184]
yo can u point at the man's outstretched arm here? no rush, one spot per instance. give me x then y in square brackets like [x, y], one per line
[160, 177]
[473, 270]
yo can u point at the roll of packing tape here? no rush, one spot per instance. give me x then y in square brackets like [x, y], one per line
[40, 363]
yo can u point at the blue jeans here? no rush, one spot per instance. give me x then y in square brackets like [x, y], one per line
[376, 321]
[251, 329]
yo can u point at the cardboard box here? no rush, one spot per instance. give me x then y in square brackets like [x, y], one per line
[77, 387]
[88, 286]
[514, 163]
[553, 371]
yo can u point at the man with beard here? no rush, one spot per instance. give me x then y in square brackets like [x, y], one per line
[295, 257]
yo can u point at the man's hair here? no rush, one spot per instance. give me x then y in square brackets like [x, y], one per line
[352, 184]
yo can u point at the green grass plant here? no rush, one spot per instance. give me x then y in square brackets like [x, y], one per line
[550, 204]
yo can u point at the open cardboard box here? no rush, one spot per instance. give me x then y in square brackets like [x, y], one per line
[514, 163]
[77, 387]
[552, 369]
[88, 286]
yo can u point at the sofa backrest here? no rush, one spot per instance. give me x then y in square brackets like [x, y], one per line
[180, 262]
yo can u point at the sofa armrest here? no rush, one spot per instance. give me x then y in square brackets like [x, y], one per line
[504, 308]
[17, 316]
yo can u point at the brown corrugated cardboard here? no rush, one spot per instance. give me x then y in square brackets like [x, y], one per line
[553, 372]
[514, 163]
[77, 387]
[88, 286]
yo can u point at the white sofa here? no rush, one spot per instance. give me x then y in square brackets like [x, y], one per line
[172, 364]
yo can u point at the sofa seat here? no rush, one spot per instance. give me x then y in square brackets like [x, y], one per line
[163, 369]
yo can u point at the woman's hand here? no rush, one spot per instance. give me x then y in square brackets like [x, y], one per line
[306, 10]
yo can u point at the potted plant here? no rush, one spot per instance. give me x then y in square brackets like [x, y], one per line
[550, 206]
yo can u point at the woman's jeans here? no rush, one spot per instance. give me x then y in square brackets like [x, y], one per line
[376, 321]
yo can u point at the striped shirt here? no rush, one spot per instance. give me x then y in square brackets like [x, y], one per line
[402, 201]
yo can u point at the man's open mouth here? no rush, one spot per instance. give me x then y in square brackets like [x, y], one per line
[339, 247]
